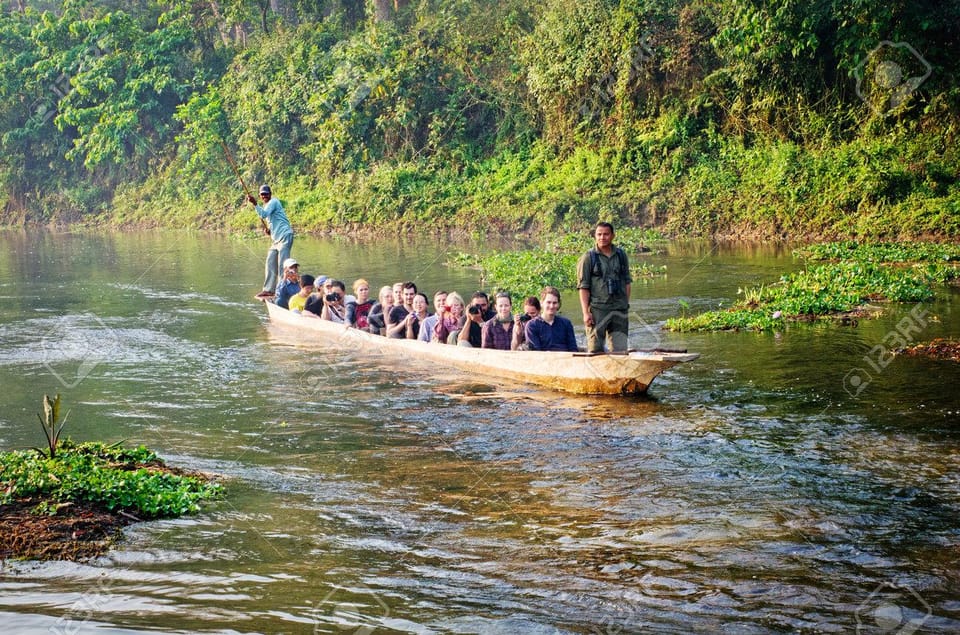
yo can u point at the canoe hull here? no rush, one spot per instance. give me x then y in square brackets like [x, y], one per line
[626, 374]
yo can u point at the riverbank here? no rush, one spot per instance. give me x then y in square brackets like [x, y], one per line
[883, 187]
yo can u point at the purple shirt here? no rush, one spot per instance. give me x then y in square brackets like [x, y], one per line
[558, 336]
[428, 327]
[494, 336]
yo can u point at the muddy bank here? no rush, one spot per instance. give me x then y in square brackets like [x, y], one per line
[940, 349]
[78, 531]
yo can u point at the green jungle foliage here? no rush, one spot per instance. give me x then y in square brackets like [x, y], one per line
[701, 117]
[116, 478]
[861, 275]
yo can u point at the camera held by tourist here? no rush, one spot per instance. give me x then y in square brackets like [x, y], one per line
[471, 334]
[333, 306]
[531, 309]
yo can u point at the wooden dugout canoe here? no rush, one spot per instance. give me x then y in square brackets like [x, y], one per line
[619, 374]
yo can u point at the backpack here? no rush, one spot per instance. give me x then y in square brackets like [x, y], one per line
[595, 262]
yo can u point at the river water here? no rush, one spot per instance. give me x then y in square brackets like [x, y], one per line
[801, 481]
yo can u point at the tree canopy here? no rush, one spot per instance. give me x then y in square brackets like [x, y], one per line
[488, 111]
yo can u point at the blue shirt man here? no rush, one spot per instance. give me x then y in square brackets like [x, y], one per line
[549, 331]
[282, 234]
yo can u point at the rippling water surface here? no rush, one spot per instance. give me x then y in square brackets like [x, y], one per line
[792, 482]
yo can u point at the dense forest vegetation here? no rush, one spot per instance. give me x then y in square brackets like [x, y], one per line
[783, 119]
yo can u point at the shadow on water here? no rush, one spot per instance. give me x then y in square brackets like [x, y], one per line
[755, 490]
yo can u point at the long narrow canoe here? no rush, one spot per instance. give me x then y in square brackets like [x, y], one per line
[606, 374]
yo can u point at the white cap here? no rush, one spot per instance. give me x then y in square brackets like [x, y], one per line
[290, 262]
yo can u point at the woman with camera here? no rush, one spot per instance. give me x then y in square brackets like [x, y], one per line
[333, 307]
[472, 332]
[414, 319]
[451, 321]
[531, 309]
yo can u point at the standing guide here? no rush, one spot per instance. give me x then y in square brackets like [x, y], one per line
[282, 234]
[603, 281]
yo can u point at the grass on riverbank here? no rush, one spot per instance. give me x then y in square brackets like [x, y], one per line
[87, 480]
[864, 274]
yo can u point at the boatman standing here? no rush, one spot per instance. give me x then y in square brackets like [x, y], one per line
[603, 281]
[282, 234]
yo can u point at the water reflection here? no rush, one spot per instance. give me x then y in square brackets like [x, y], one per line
[750, 492]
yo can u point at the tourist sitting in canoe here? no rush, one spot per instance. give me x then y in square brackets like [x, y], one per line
[451, 320]
[428, 325]
[414, 320]
[531, 309]
[333, 307]
[472, 332]
[299, 301]
[358, 308]
[381, 308]
[497, 332]
[314, 303]
[549, 331]
[289, 286]
[397, 325]
[482, 300]
[388, 320]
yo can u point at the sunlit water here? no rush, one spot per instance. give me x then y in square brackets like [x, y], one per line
[792, 482]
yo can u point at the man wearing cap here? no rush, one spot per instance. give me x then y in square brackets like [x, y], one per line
[280, 231]
[290, 285]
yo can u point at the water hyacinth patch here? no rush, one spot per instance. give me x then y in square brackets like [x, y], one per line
[866, 274]
[881, 252]
[132, 481]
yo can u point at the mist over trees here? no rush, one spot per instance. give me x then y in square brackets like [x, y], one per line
[702, 116]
